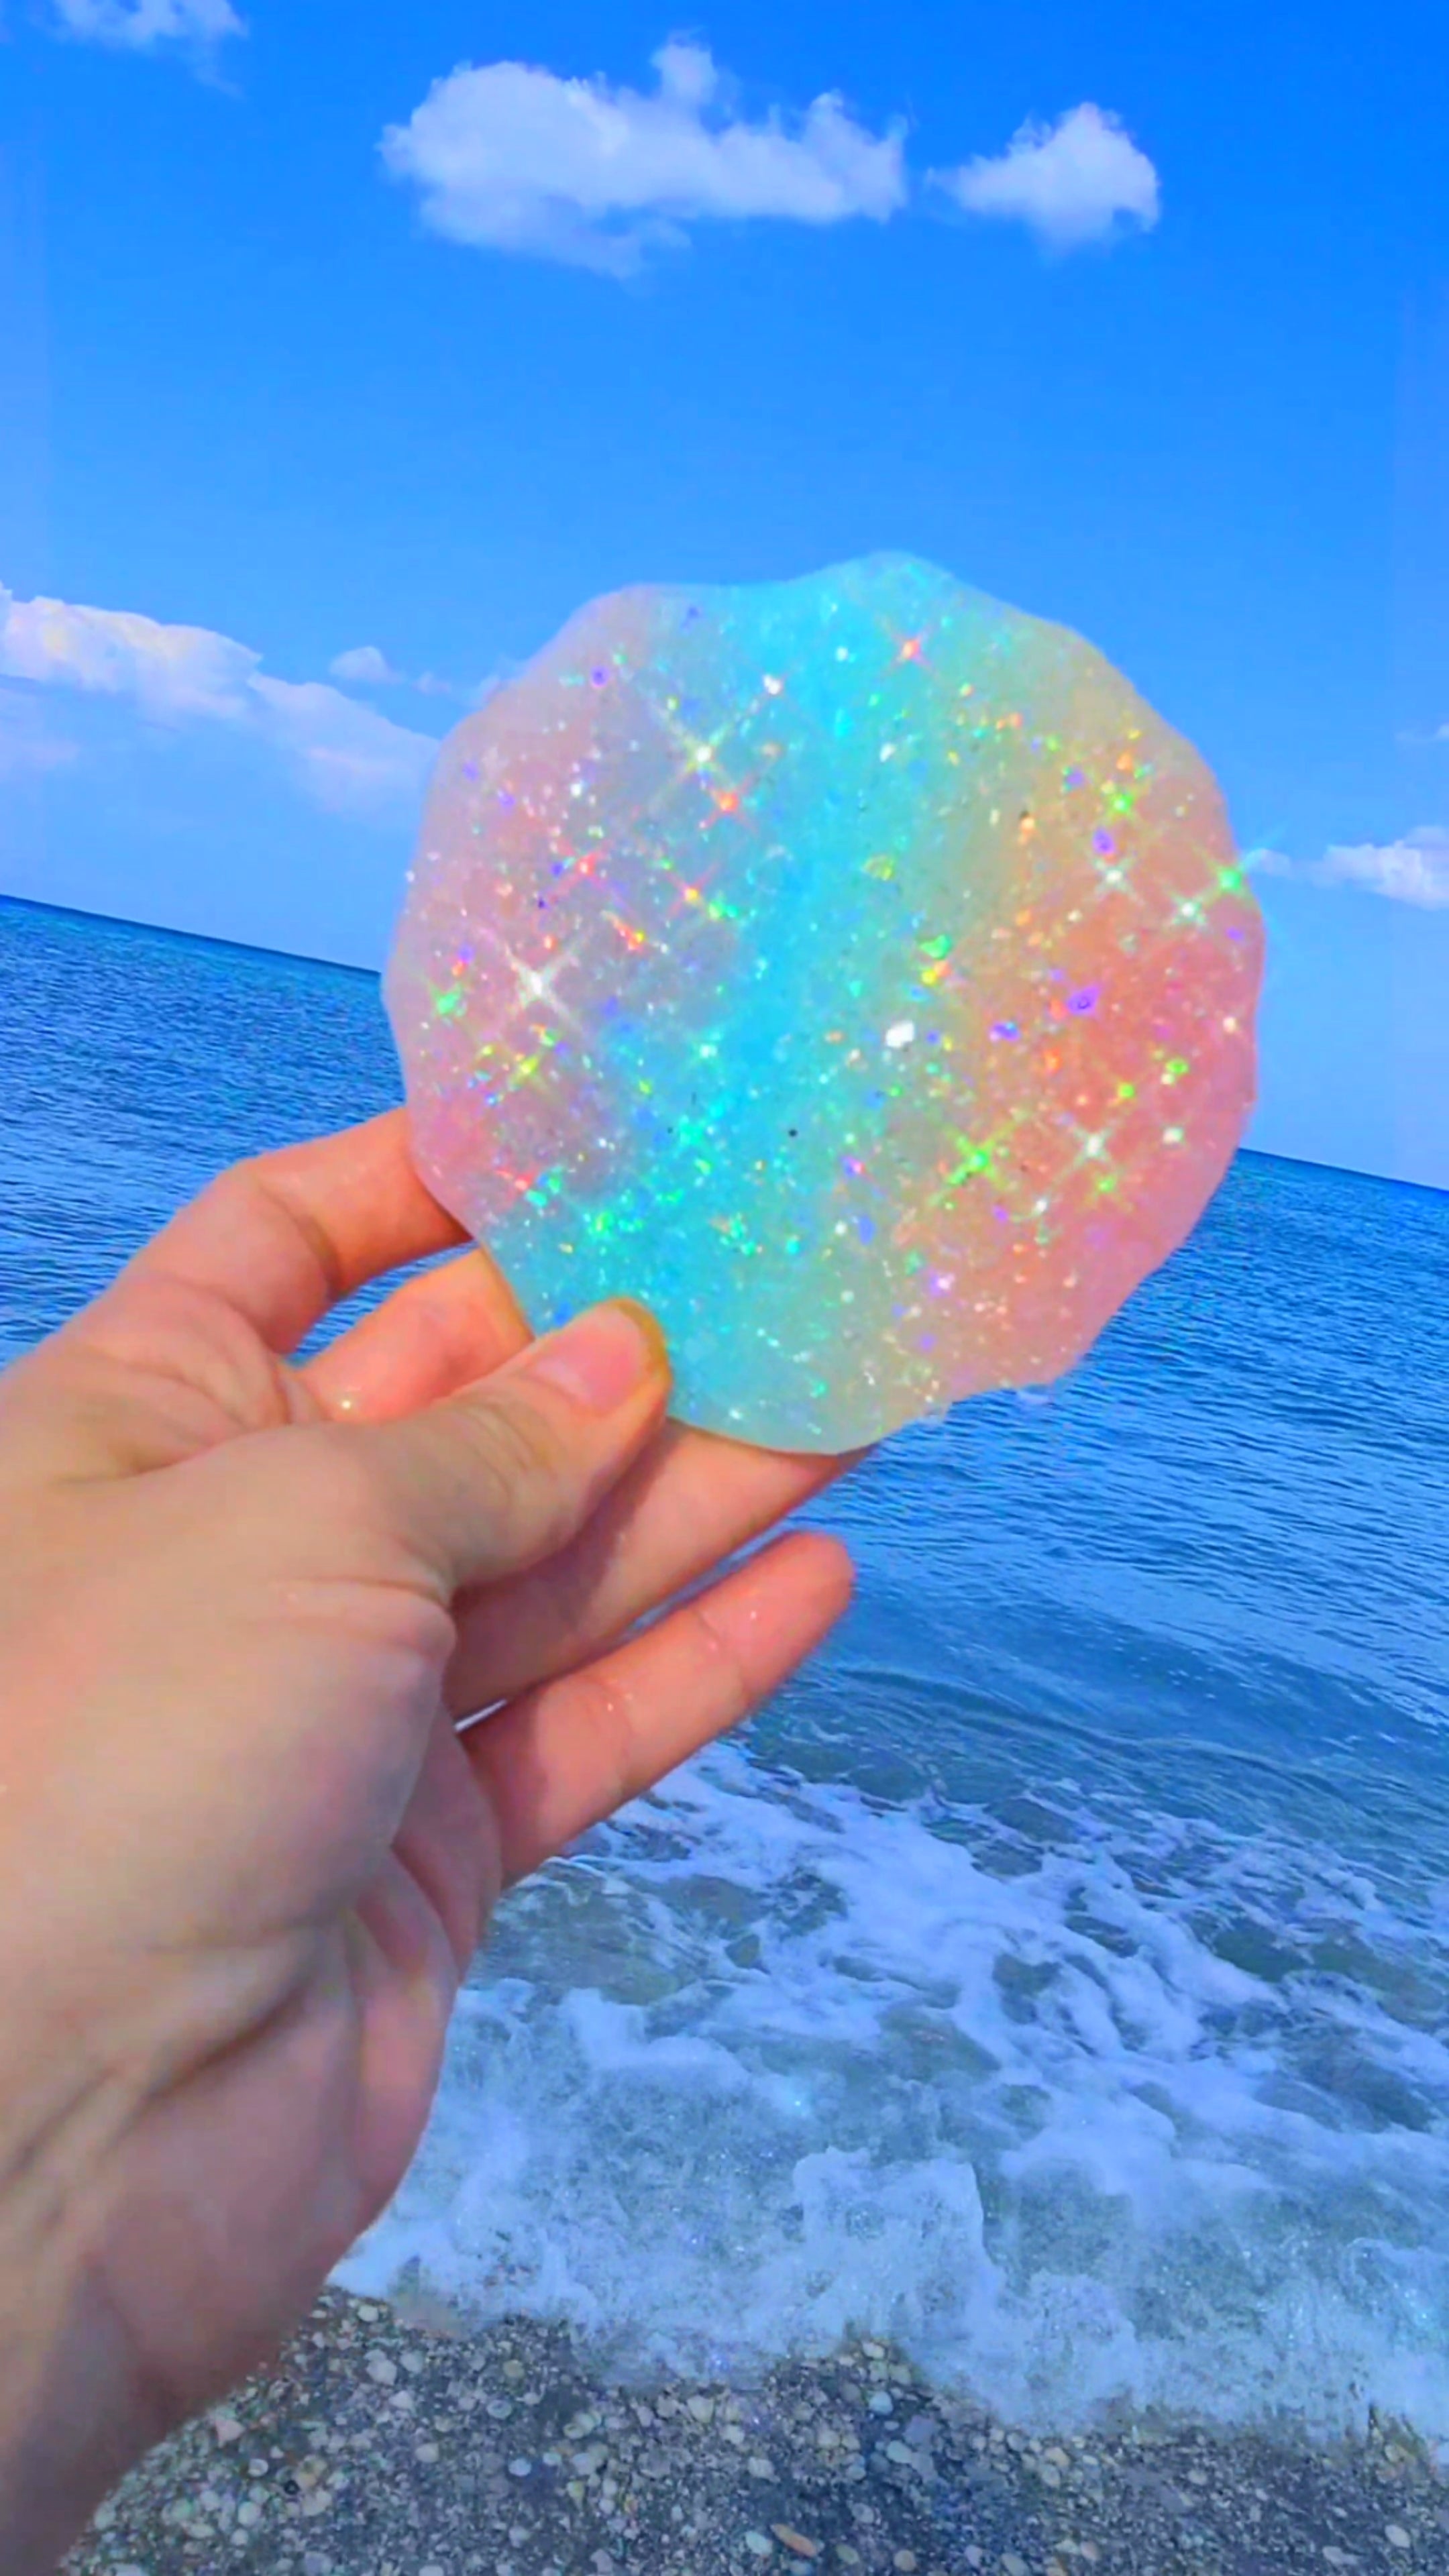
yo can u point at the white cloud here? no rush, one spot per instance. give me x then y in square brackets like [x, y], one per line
[518, 159]
[1414, 870]
[348, 756]
[171, 671]
[351, 758]
[365, 667]
[137, 25]
[1080, 180]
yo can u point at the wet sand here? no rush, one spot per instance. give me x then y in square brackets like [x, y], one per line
[389, 2441]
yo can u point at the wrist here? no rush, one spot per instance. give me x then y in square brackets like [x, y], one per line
[67, 2411]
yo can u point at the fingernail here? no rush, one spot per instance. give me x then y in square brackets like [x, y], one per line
[603, 1357]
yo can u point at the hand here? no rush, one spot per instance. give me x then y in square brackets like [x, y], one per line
[245, 1855]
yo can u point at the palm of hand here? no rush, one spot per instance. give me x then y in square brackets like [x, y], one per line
[248, 1773]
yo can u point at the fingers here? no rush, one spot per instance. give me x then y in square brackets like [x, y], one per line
[505, 1472]
[283, 1237]
[565, 1756]
[689, 1502]
[440, 1330]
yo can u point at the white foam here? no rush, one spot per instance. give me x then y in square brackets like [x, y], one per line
[784, 2066]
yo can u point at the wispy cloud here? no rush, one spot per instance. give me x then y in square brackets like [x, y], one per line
[1413, 870]
[366, 666]
[139, 26]
[1081, 180]
[518, 159]
[348, 756]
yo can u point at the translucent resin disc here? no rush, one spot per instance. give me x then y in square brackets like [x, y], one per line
[853, 968]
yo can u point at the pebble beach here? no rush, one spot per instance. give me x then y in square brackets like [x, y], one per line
[392, 2440]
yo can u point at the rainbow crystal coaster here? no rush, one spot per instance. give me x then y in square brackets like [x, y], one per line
[854, 969]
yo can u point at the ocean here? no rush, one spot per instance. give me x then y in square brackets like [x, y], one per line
[1055, 1978]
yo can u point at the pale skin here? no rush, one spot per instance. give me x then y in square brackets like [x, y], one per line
[245, 1853]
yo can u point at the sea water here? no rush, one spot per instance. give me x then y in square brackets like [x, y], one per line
[1056, 1975]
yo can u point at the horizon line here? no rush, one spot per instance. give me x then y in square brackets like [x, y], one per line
[373, 974]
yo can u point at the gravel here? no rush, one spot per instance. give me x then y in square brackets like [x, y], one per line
[377, 2447]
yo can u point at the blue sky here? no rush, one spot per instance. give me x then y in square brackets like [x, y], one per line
[1172, 367]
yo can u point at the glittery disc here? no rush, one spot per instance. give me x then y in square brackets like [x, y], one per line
[854, 968]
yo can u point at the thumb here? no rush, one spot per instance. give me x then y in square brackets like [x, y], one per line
[502, 1474]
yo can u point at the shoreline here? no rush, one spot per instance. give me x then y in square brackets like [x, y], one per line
[394, 2440]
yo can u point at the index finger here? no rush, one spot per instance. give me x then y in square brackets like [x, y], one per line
[283, 1237]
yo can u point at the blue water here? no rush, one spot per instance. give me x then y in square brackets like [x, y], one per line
[1057, 1975]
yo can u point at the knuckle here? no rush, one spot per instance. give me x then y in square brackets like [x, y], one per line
[254, 1193]
[601, 1712]
[517, 1466]
[730, 1690]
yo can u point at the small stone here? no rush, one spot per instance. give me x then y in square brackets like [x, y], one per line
[1396, 2536]
[382, 2368]
[520, 2468]
[873, 2351]
[795, 2541]
[905, 2562]
[500, 2408]
[413, 2361]
[581, 2424]
[368, 2312]
[759, 2545]
[249, 2513]
[973, 2556]
[902, 2454]
[701, 2408]
[512, 2369]
[432, 2569]
[1011, 2565]
[759, 2466]
[227, 2427]
[881, 2402]
[427, 2452]
[1049, 2476]
[847, 2556]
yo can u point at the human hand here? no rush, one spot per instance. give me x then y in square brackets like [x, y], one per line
[245, 1856]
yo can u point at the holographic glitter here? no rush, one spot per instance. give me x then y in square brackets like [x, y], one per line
[853, 968]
